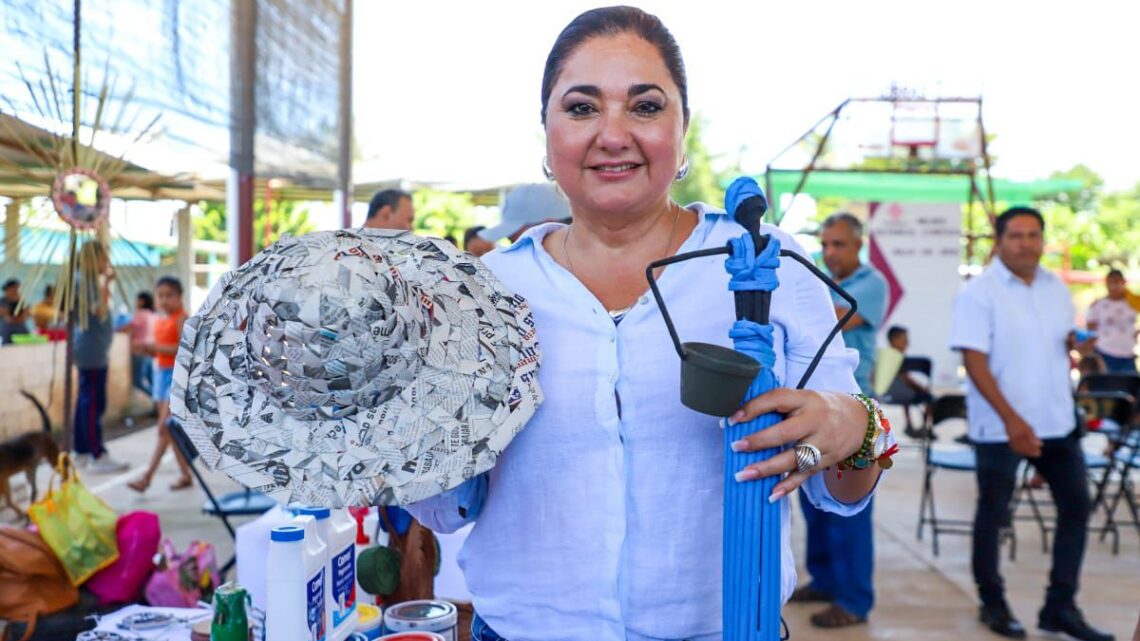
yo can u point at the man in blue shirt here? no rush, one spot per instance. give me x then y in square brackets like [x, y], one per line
[840, 550]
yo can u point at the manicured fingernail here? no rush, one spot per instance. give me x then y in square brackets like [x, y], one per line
[739, 446]
[723, 423]
[736, 418]
[776, 495]
[747, 474]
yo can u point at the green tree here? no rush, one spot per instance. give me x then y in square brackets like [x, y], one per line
[704, 183]
[285, 217]
[443, 214]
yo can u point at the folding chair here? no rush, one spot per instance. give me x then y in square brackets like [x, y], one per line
[943, 409]
[1093, 408]
[240, 503]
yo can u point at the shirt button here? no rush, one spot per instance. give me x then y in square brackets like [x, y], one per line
[644, 300]
[613, 377]
[613, 338]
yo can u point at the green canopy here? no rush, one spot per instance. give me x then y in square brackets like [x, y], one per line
[902, 187]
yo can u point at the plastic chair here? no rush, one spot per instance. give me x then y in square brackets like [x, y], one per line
[945, 408]
[240, 503]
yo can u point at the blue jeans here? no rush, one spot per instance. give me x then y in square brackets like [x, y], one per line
[841, 556]
[480, 631]
[90, 404]
[1118, 365]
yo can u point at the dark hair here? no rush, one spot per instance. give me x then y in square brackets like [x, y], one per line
[471, 231]
[894, 331]
[49, 290]
[386, 198]
[1114, 273]
[843, 217]
[11, 282]
[169, 281]
[148, 301]
[615, 21]
[1013, 212]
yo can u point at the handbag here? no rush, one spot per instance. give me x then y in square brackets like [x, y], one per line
[138, 536]
[32, 582]
[77, 525]
[182, 580]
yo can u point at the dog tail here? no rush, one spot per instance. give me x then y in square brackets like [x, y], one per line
[39, 408]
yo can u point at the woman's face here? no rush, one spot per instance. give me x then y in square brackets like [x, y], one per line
[615, 126]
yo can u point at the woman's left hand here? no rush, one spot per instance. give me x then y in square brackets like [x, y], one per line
[833, 422]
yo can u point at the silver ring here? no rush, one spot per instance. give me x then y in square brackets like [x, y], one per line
[808, 457]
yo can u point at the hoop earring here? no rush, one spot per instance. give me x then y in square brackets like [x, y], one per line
[546, 170]
[683, 171]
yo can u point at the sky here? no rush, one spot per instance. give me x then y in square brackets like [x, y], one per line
[450, 90]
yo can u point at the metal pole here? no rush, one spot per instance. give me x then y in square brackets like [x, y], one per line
[343, 198]
[243, 122]
[69, 337]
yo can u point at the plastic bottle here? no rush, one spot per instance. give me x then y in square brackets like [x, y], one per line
[252, 545]
[295, 583]
[342, 570]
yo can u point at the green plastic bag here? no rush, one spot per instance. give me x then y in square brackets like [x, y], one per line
[77, 525]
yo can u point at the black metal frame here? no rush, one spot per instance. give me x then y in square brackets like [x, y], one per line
[213, 506]
[945, 408]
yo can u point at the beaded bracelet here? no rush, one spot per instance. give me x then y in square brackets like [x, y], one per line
[874, 448]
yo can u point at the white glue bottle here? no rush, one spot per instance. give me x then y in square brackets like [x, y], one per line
[342, 568]
[295, 583]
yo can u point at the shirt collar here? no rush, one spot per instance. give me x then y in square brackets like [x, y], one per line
[860, 272]
[1008, 276]
[534, 235]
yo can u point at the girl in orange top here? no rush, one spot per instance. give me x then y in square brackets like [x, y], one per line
[166, 331]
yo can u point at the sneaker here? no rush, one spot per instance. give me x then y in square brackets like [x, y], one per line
[106, 465]
[999, 620]
[1068, 619]
[80, 461]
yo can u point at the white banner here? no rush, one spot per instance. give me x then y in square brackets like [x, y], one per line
[918, 247]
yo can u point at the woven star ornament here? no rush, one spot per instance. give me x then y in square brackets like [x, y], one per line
[356, 367]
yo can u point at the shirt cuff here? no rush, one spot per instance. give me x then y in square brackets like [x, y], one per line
[817, 493]
[448, 511]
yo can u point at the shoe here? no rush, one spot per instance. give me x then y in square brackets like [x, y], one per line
[80, 461]
[964, 439]
[810, 594]
[836, 616]
[1000, 620]
[106, 465]
[1068, 619]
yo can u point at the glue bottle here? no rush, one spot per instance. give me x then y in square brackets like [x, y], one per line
[295, 583]
[337, 530]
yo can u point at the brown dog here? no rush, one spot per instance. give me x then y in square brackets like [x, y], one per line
[24, 454]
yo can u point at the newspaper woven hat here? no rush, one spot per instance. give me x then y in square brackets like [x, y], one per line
[356, 367]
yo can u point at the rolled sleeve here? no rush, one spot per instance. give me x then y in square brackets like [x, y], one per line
[453, 509]
[970, 322]
[814, 320]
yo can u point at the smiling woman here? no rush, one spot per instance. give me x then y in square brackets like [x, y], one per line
[602, 520]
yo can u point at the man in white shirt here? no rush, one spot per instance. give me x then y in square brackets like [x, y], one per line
[1114, 321]
[390, 209]
[1014, 326]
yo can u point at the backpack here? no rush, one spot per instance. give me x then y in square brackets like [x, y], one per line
[32, 581]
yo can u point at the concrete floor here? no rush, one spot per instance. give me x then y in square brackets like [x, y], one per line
[919, 596]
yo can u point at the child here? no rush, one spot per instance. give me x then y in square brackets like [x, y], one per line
[166, 331]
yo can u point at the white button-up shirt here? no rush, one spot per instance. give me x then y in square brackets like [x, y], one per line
[1023, 329]
[603, 521]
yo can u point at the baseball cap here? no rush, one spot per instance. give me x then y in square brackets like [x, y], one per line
[528, 205]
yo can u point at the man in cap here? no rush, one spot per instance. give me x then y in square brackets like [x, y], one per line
[525, 207]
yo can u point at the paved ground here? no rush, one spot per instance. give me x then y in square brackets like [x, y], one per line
[919, 596]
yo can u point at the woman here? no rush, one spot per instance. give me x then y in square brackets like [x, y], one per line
[602, 520]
